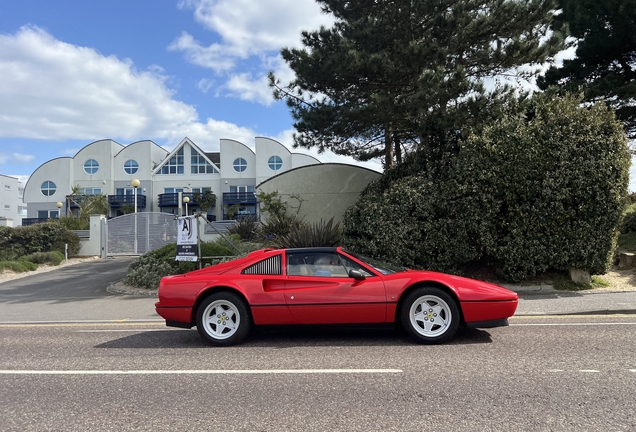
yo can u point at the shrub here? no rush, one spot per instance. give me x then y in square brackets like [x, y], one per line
[51, 258]
[277, 226]
[628, 224]
[532, 192]
[17, 266]
[246, 228]
[45, 237]
[317, 234]
[146, 272]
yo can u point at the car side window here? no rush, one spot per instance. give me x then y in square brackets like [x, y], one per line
[321, 264]
[269, 266]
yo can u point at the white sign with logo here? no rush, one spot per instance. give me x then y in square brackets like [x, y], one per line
[187, 239]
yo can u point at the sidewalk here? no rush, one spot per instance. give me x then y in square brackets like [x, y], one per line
[545, 300]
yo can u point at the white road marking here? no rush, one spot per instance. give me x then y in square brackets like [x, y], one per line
[128, 330]
[200, 372]
[592, 324]
[555, 370]
[589, 370]
[632, 370]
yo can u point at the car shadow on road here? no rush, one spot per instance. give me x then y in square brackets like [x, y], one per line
[289, 338]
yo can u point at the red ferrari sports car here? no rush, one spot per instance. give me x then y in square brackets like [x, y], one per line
[327, 286]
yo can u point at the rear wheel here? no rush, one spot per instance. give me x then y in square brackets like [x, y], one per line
[430, 315]
[223, 319]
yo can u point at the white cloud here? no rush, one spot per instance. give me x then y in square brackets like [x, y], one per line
[247, 89]
[248, 27]
[55, 91]
[16, 158]
[205, 85]
[249, 30]
[286, 138]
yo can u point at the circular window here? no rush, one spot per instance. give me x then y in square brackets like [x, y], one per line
[48, 188]
[239, 164]
[91, 166]
[275, 163]
[131, 166]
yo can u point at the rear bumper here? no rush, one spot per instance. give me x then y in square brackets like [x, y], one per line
[488, 324]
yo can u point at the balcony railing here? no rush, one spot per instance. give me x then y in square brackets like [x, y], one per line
[172, 199]
[33, 221]
[74, 201]
[116, 201]
[231, 198]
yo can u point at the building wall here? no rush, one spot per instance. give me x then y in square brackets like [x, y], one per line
[11, 195]
[111, 175]
[326, 190]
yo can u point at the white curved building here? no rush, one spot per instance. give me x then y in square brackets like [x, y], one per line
[107, 167]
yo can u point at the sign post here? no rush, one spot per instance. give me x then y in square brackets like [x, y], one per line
[187, 239]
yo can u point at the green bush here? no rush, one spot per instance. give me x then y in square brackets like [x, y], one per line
[30, 266]
[323, 233]
[246, 228]
[146, 272]
[53, 258]
[628, 225]
[532, 192]
[20, 266]
[45, 237]
[72, 223]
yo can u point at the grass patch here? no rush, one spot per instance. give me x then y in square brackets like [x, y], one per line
[20, 266]
[563, 283]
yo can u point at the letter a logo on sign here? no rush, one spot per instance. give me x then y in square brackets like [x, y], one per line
[187, 239]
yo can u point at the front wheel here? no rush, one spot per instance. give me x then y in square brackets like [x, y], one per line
[430, 315]
[223, 319]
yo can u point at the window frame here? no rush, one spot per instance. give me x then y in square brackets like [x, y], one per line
[239, 164]
[131, 169]
[88, 168]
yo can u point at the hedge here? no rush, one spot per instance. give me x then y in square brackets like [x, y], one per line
[542, 190]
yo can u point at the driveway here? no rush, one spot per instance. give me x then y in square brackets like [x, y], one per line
[78, 293]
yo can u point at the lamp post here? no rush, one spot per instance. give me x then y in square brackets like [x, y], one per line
[59, 206]
[186, 200]
[135, 184]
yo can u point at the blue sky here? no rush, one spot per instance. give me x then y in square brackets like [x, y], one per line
[76, 71]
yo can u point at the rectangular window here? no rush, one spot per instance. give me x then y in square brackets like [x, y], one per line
[174, 165]
[46, 214]
[172, 190]
[7, 207]
[91, 191]
[125, 191]
[198, 164]
[201, 190]
[7, 187]
[22, 210]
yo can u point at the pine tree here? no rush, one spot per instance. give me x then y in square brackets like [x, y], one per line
[392, 76]
[605, 63]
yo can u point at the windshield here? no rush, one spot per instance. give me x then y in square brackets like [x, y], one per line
[379, 266]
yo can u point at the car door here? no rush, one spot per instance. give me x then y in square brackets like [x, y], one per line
[318, 290]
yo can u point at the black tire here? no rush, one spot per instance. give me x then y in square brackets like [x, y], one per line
[437, 324]
[223, 319]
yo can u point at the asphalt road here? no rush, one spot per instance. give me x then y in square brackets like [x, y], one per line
[74, 357]
[538, 374]
[76, 292]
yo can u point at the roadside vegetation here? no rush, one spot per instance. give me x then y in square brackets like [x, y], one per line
[22, 249]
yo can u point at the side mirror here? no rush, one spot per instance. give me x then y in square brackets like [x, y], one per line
[357, 275]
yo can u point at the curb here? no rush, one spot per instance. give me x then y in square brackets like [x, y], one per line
[120, 288]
